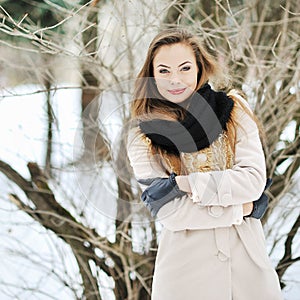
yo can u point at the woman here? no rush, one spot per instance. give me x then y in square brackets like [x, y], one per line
[198, 157]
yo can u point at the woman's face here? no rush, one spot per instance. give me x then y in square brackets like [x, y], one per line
[175, 71]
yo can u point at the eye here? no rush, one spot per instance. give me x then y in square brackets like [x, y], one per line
[163, 71]
[185, 68]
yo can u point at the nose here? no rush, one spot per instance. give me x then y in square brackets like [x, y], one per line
[174, 79]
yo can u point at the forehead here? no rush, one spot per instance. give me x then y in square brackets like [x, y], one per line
[173, 55]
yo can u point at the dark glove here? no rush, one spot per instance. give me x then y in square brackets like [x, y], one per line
[159, 192]
[260, 205]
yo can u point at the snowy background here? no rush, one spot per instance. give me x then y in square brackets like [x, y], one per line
[27, 251]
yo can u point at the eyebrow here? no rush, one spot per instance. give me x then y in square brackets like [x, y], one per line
[161, 65]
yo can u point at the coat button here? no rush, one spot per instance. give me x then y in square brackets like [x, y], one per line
[196, 199]
[226, 198]
[215, 211]
[222, 256]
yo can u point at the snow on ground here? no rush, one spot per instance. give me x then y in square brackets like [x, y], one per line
[28, 252]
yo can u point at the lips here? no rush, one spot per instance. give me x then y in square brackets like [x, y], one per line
[177, 91]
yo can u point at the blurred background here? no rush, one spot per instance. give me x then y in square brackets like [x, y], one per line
[72, 225]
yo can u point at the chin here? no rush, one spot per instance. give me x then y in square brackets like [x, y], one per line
[177, 99]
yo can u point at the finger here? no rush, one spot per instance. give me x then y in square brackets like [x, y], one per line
[269, 183]
[147, 181]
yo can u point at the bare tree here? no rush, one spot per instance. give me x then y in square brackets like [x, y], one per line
[95, 147]
[38, 16]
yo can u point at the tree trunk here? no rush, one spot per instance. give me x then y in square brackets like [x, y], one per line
[95, 148]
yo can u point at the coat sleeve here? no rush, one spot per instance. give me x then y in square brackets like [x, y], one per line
[243, 183]
[181, 213]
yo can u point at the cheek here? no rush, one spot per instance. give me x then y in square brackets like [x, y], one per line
[162, 86]
[163, 91]
[191, 83]
[191, 80]
[162, 83]
[157, 75]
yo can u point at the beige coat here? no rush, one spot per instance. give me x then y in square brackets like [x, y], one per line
[207, 250]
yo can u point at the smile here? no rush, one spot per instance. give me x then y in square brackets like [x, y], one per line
[177, 91]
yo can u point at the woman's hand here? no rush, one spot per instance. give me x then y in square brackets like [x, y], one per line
[159, 192]
[247, 208]
[260, 206]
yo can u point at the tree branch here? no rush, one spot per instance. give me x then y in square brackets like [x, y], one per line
[287, 259]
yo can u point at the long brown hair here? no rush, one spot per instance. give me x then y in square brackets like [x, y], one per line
[146, 96]
[148, 101]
